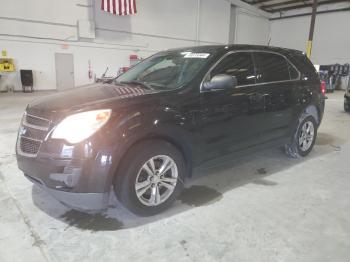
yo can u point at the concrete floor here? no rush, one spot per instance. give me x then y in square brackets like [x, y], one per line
[265, 207]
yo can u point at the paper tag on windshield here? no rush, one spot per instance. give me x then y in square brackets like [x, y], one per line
[196, 55]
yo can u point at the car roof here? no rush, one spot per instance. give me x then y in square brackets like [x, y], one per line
[226, 48]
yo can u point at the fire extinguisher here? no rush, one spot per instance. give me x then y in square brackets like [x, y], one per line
[90, 71]
[134, 59]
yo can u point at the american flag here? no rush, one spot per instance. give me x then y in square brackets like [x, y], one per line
[119, 7]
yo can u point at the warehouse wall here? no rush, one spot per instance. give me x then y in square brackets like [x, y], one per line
[252, 28]
[331, 37]
[33, 31]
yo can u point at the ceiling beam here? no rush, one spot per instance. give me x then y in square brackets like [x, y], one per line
[289, 8]
[303, 6]
[307, 14]
[283, 3]
[256, 2]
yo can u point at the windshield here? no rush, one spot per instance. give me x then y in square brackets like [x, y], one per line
[166, 71]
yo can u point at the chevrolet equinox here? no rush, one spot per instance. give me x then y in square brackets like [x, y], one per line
[142, 133]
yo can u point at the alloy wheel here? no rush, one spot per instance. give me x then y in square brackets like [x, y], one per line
[156, 180]
[306, 136]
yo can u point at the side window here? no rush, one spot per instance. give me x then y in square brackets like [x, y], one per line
[307, 68]
[294, 74]
[271, 67]
[239, 65]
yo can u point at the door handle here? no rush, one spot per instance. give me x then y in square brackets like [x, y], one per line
[267, 98]
[258, 97]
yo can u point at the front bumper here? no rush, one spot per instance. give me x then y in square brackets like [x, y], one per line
[79, 201]
[81, 183]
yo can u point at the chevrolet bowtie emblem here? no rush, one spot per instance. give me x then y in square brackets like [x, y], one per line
[22, 131]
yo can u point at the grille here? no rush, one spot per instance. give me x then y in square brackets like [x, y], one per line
[32, 133]
[37, 122]
[29, 146]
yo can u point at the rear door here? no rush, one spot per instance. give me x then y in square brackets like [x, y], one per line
[276, 79]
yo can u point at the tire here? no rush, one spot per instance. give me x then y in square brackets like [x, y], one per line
[346, 107]
[302, 140]
[136, 171]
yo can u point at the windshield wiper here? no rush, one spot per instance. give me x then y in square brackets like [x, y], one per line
[143, 84]
[157, 85]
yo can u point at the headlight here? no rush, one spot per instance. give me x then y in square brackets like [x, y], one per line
[77, 127]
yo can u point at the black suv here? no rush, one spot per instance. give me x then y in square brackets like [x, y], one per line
[142, 133]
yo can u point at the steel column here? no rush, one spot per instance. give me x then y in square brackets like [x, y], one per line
[312, 28]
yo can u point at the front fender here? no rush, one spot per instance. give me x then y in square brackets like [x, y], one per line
[164, 123]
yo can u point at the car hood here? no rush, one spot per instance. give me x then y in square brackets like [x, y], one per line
[85, 96]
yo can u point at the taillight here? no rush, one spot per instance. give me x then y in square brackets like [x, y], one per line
[323, 87]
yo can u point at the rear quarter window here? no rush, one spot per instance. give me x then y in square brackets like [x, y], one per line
[294, 74]
[305, 66]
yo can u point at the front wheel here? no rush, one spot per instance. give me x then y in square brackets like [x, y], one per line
[303, 138]
[150, 177]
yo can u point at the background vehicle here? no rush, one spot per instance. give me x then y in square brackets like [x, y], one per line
[145, 132]
[347, 98]
[103, 78]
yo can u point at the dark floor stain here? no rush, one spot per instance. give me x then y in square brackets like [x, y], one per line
[37, 241]
[261, 171]
[183, 244]
[93, 222]
[199, 196]
[264, 182]
[327, 139]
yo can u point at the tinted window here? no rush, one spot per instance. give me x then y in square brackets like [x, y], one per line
[294, 74]
[239, 65]
[305, 66]
[271, 67]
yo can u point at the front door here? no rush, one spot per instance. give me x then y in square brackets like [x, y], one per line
[230, 118]
[64, 71]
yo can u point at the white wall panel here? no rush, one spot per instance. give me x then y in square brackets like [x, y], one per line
[56, 11]
[39, 30]
[157, 17]
[331, 37]
[33, 30]
[214, 21]
[251, 28]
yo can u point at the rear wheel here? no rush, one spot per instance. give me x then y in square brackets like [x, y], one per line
[346, 107]
[150, 178]
[303, 138]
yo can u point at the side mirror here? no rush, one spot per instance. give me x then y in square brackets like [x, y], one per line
[220, 82]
